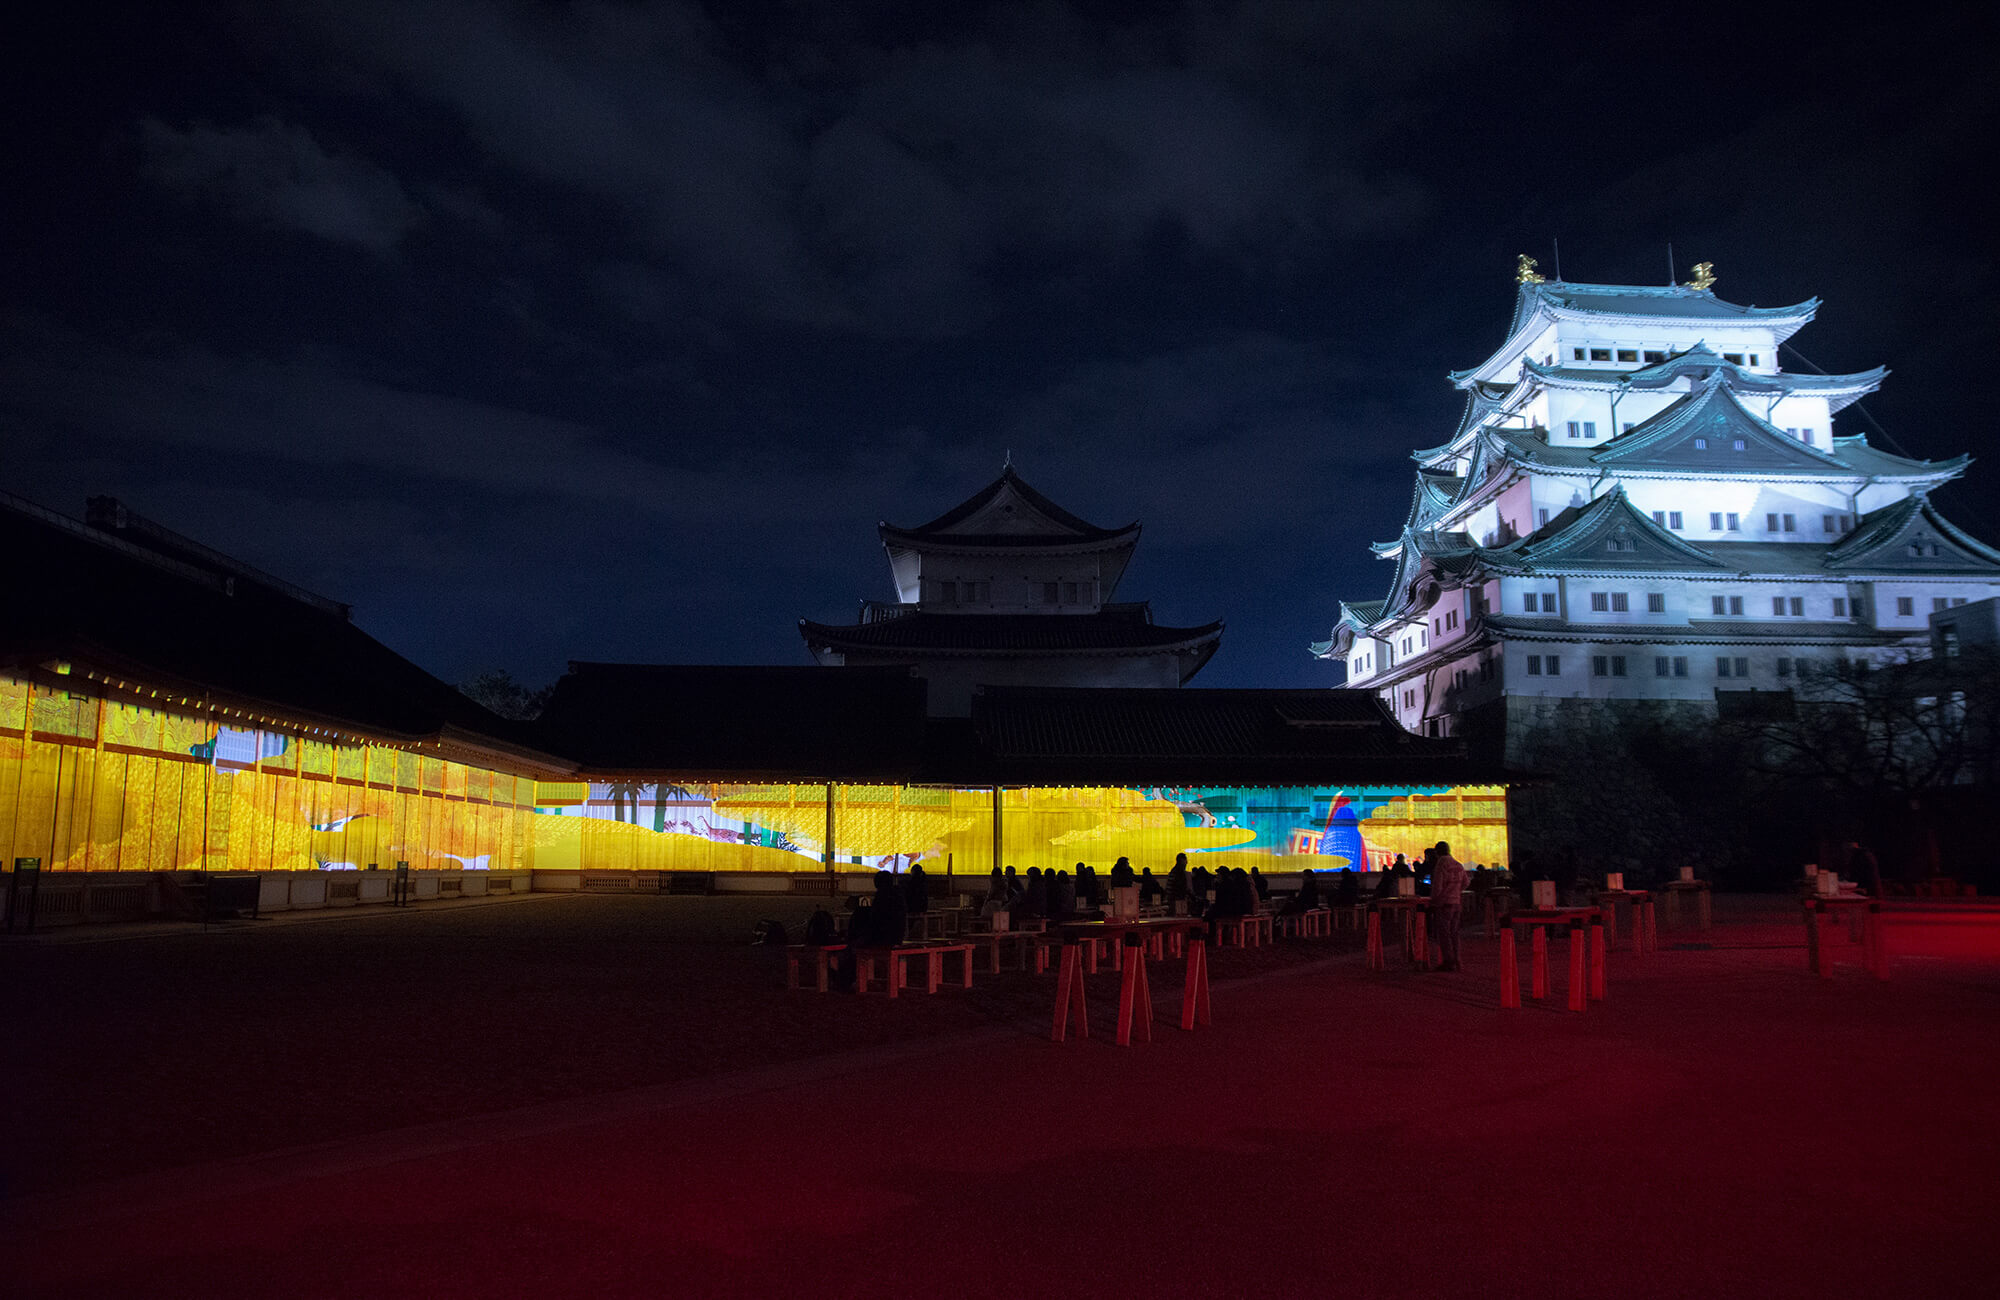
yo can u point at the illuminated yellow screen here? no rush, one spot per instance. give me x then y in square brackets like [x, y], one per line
[95, 785]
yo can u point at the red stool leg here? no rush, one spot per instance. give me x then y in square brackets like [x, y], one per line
[1597, 946]
[1069, 993]
[1117, 955]
[1576, 975]
[1538, 973]
[1144, 1009]
[1128, 994]
[1194, 993]
[1510, 970]
[1374, 940]
[1652, 928]
[1420, 934]
[934, 971]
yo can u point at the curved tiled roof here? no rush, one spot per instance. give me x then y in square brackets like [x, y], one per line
[1066, 529]
[1110, 632]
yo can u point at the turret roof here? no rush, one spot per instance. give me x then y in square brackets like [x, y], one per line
[1007, 512]
[1911, 535]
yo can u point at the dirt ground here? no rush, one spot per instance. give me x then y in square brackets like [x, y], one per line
[592, 1096]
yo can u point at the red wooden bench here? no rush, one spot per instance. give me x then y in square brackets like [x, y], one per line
[795, 953]
[896, 960]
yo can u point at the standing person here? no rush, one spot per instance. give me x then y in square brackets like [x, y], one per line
[1177, 882]
[1447, 903]
[1149, 888]
[1261, 885]
[1197, 883]
[916, 891]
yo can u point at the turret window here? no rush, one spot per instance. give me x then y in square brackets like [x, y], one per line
[1732, 666]
[1733, 358]
[1600, 354]
[1722, 605]
[1628, 355]
[1676, 666]
[1548, 602]
[1654, 358]
[1840, 607]
[1656, 602]
[1906, 607]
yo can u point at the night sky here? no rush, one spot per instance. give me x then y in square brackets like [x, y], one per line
[606, 331]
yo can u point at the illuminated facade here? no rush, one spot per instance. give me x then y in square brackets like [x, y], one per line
[1005, 589]
[1640, 502]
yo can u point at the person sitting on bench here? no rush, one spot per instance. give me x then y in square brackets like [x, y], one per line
[1307, 898]
[1149, 888]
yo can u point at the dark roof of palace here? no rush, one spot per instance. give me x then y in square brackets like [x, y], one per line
[868, 725]
[1068, 529]
[145, 605]
[718, 722]
[1248, 737]
[1114, 630]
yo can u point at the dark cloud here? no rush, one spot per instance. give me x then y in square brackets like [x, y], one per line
[277, 174]
[665, 304]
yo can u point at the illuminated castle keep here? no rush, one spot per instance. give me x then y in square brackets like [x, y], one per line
[1640, 503]
[1009, 589]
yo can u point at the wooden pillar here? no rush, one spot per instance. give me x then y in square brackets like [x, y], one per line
[827, 855]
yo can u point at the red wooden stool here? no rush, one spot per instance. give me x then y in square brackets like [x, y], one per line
[1510, 971]
[1374, 940]
[1135, 993]
[1194, 993]
[1069, 992]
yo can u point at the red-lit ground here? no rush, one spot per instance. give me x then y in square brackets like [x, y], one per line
[1724, 1125]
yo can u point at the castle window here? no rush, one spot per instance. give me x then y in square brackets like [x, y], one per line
[1778, 606]
[1733, 358]
[1529, 602]
[1552, 665]
[1701, 444]
[1548, 602]
[1805, 436]
[1680, 666]
[1736, 444]
[1736, 605]
[1673, 519]
[1656, 602]
[1840, 607]
[1798, 604]
[1718, 604]
[1826, 523]
[1617, 665]
[1653, 358]
[1770, 523]
[1071, 593]
[1660, 518]
[1938, 603]
[1600, 666]
[978, 593]
[1542, 517]
[1906, 607]
[1754, 360]
[1784, 666]
[1589, 428]
[1846, 522]
[1618, 603]
[1600, 602]
[1574, 430]
[1628, 426]
[1534, 665]
[1735, 524]
[1662, 666]
[1628, 354]
[1576, 354]
[1600, 354]
[1715, 521]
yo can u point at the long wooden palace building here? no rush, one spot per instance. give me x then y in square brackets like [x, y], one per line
[168, 713]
